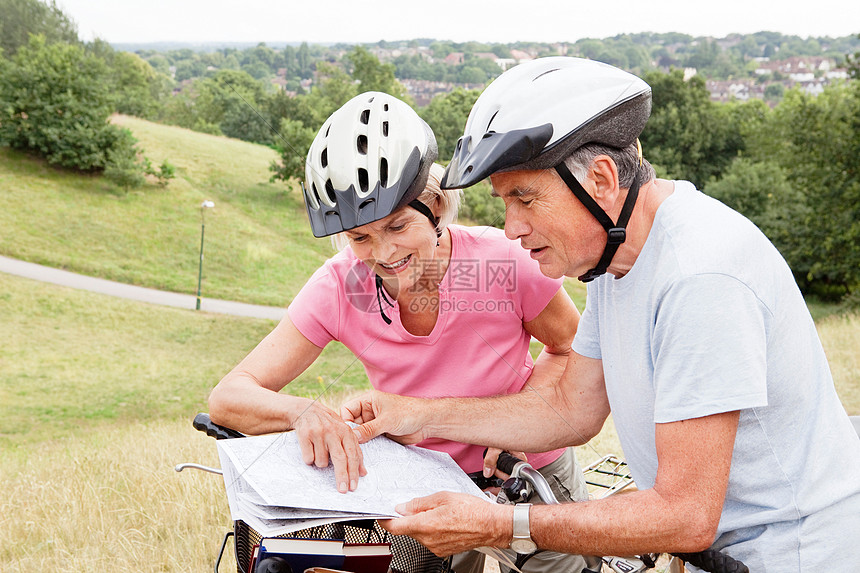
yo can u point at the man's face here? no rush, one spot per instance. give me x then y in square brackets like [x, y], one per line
[550, 222]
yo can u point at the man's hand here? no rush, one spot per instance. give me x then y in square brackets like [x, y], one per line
[377, 413]
[323, 436]
[448, 523]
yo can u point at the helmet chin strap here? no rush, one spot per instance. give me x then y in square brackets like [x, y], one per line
[616, 233]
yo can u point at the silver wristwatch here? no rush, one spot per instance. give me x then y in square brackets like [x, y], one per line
[522, 542]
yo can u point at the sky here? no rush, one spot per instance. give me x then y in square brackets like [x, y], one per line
[496, 21]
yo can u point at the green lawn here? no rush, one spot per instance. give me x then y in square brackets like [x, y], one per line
[259, 247]
[72, 360]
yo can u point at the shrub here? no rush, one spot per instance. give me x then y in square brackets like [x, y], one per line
[55, 101]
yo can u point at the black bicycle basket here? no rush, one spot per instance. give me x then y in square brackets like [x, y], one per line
[408, 556]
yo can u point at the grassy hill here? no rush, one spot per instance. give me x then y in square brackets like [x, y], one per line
[258, 249]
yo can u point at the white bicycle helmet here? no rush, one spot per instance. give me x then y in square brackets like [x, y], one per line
[370, 158]
[536, 114]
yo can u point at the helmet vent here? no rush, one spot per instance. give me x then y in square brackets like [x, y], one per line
[385, 129]
[365, 203]
[489, 123]
[327, 130]
[329, 190]
[324, 157]
[364, 117]
[545, 73]
[362, 179]
[316, 193]
[383, 172]
[385, 107]
[361, 144]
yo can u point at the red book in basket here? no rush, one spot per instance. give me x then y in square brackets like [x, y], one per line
[366, 557]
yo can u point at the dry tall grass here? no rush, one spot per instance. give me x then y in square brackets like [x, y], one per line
[840, 335]
[109, 499]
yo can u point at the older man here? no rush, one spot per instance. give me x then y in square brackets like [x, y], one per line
[695, 336]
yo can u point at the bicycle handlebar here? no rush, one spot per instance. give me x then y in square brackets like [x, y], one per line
[203, 423]
[507, 462]
[709, 560]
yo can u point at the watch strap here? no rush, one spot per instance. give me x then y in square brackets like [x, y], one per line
[521, 521]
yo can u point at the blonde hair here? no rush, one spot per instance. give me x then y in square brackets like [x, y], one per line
[448, 200]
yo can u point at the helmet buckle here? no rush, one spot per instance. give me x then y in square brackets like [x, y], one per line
[616, 236]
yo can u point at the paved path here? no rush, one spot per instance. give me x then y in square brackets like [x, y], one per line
[74, 280]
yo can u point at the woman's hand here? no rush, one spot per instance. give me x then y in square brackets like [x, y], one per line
[491, 459]
[324, 437]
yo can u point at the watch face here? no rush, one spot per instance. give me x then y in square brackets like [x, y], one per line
[523, 545]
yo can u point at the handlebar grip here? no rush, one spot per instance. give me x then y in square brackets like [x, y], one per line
[203, 423]
[713, 561]
[507, 462]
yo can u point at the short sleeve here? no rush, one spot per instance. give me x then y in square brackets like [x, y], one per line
[586, 342]
[534, 289]
[315, 310]
[709, 349]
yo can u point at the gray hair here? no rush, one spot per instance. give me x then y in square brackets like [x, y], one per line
[626, 158]
[449, 203]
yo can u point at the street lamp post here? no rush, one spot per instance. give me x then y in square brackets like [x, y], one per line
[203, 206]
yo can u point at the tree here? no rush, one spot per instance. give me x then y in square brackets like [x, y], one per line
[761, 190]
[800, 182]
[372, 75]
[55, 101]
[303, 61]
[294, 142]
[20, 18]
[480, 207]
[136, 88]
[305, 114]
[232, 100]
[446, 115]
[688, 136]
[852, 62]
[817, 141]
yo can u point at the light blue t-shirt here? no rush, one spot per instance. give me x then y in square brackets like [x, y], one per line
[709, 320]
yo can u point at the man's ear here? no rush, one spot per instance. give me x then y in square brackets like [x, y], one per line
[604, 178]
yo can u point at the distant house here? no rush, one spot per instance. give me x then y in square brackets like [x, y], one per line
[521, 56]
[422, 91]
[796, 65]
[454, 58]
[486, 56]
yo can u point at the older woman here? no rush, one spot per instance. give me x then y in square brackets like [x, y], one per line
[430, 308]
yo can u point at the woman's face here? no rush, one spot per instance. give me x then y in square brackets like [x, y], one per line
[399, 248]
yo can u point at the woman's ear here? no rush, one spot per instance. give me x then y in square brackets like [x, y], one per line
[436, 207]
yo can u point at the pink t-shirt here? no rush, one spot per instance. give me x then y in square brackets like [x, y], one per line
[478, 346]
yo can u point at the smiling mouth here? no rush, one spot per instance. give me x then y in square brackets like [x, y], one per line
[397, 264]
